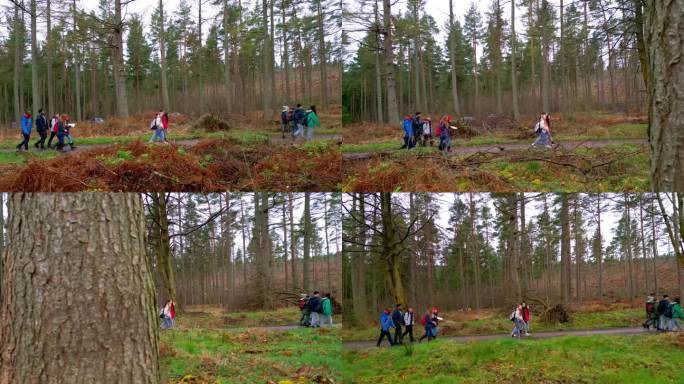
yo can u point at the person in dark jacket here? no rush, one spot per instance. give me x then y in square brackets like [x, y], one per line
[409, 320]
[651, 315]
[299, 117]
[42, 128]
[417, 127]
[315, 308]
[26, 126]
[398, 320]
[662, 309]
[385, 325]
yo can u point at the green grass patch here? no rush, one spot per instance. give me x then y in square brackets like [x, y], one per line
[247, 355]
[14, 157]
[589, 359]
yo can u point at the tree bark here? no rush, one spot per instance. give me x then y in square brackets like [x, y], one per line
[565, 251]
[666, 106]
[514, 81]
[162, 59]
[118, 62]
[79, 284]
[454, 78]
[306, 273]
[392, 106]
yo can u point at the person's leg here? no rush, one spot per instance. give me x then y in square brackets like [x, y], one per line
[397, 334]
[52, 136]
[424, 335]
[382, 334]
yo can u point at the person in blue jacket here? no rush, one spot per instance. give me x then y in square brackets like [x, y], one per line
[386, 324]
[408, 132]
[42, 128]
[26, 126]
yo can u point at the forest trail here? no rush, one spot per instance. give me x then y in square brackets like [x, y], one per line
[181, 143]
[541, 335]
[287, 327]
[496, 148]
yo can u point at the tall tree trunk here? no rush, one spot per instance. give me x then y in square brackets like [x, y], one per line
[35, 88]
[18, 63]
[565, 251]
[666, 105]
[306, 275]
[77, 67]
[599, 256]
[267, 64]
[359, 264]
[392, 106]
[514, 69]
[378, 77]
[118, 62]
[654, 246]
[84, 277]
[163, 247]
[162, 59]
[391, 248]
[476, 251]
[293, 244]
[322, 56]
[48, 59]
[452, 45]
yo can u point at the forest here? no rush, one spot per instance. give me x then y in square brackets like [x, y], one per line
[106, 59]
[585, 264]
[217, 73]
[234, 264]
[596, 66]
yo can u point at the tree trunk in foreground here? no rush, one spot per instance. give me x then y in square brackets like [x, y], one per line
[665, 21]
[80, 302]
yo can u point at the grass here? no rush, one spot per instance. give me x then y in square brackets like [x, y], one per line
[191, 353]
[591, 359]
[491, 322]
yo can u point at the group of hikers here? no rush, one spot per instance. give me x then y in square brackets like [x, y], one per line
[316, 310]
[663, 315]
[296, 120]
[418, 130]
[399, 320]
[521, 320]
[58, 126]
[167, 314]
[160, 126]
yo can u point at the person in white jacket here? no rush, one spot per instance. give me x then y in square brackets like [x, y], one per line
[409, 320]
[517, 318]
[158, 127]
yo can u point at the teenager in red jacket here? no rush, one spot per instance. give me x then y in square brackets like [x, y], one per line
[526, 318]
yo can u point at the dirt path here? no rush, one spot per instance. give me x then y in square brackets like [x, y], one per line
[540, 335]
[277, 140]
[496, 148]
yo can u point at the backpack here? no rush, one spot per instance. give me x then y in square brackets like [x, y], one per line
[668, 311]
[153, 123]
[650, 307]
[423, 322]
[302, 304]
[513, 315]
[537, 127]
[319, 307]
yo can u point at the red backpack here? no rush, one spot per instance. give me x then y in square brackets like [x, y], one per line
[423, 320]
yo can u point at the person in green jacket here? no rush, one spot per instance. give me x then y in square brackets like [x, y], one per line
[677, 315]
[326, 316]
[311, 122]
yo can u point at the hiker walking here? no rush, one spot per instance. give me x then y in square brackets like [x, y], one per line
[661, 310]
[426, 132]
[315, 309]
[417, 125]
[26, 126]
[312, 122]
[676, 315]
[435, 319]
[53, 129]
[305, 319]
[165, 126]
[543, 131]
[429, 326]
[651, 315]
[42, 128]
[398, 320]
[285, 119]
[157, 126]
[526, 319]
[444, 134]
[326, 316]
[167, 314]
[299, 117]
[60, 131]
[517, 319]
[409, 320]
[67, 132]
[408, 132]
[385, 325]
